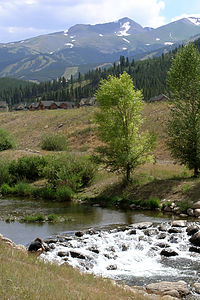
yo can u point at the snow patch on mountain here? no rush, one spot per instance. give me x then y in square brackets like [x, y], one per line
[124, 29]
[100, 34]
[194, 20]
[168, 43]
[125, 40]
[72, 36]
[157, 39]
[124, 48]
[66, 32]
[147, 44]
[70, 45]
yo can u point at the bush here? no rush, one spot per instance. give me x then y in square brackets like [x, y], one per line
[22, 189]
[54, 142]
[7, 141]
[69, 170]
[6, 189]
[5, 176]
[36, 218]
[27, 168]
[52, 218]
[64, 193]
[46, 193]
[151, 203]
[184, 206]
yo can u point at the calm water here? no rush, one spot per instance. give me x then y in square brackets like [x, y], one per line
[80, 217]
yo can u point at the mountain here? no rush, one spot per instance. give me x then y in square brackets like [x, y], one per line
[64, 53]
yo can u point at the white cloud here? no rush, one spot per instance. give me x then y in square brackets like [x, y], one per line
[55, 15]
[185, 16]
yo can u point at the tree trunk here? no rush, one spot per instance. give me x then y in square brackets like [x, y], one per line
[128, 173]
[196, 171]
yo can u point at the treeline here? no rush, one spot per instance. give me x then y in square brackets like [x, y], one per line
[149, 75]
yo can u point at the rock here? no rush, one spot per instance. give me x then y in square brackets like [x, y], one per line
[197, 212]
[143, 225]
[79, 233]
[162, 236]
[194, 249]
[173, 239]
[174, 230]
[175, 289]
[192, 229]
[62, 254]
[196, 205]
[183, 215]
[112, 267]
[60, 125]
[93, 249]
[195, 239]
[168, 209]
[168, 252]
[190, 212]
[162, 227]
[91, 231]
[179, 223]
[133, 206]
[124, 247]
[132, 231]
[46, 126]
[52, 246]
[150, 232]
[196, 287]
[162, 245]
[50, 241]
[77, 255]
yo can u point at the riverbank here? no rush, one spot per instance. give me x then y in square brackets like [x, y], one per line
[24, 276]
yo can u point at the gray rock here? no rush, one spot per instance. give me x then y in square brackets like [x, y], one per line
[190, 212]
[79, 233]
[50, 241]
[174, 230]
[162, 227]
[132, 231]
[196, 205]
[112, 267]
[162, 245]
[196, 287]
[168, 252]
[93, 249]
[162, 236]
[77, 255]
[174, 289]
[62, 253]
[195, 239]
[197, 212]
[192, 229]
[194, 249]
[179, 223]
[143, 225]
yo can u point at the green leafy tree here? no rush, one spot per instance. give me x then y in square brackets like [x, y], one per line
[184, 125]
[119, 126]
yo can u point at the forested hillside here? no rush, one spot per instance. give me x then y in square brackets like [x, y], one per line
[149, 75]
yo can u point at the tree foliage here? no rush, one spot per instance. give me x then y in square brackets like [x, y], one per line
[119, 126]
[184, 124]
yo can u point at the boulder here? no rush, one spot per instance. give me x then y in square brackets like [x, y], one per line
[175, 289]
[50, 241]
[132, 231]
[162, 245]
[79, 233]
[162, 236]
[179, 223]
[196, 287]
[197, 212]
[168, 252]
[190, 212]
[162, 227]
[194, 249]
[143, 225]
[77, 255]
[62, 253]
[192, 229]
[174, 230]
[93, 249]
[112, 267]
[196, 205]
[195, 239]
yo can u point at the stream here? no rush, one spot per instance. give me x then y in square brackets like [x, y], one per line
[123, 245]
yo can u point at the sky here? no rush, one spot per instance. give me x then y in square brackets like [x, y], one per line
[22, 19]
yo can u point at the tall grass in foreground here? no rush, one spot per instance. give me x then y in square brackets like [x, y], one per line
[23, 276]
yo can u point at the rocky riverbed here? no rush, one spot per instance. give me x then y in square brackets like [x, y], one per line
[140, 254]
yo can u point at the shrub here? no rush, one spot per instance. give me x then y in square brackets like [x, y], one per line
[5, 176]
[54, 142]
[23, 189]
[151, 203]
[69, 170]
[184, 206]
[64, 193]
[27, 167]
[35, 218]
[45, 193]
[7, 141]
[6, 189]
[52, 218]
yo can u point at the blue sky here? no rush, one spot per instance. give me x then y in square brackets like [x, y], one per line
[21, 19]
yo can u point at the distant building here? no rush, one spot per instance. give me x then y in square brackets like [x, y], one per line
[20, 107]
[161, 97]
[3, 106]
[42, 105]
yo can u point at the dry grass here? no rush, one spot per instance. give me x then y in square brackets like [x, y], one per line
[23, 276]
[77, 125]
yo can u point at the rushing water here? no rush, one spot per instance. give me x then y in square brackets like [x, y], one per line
[114, 249]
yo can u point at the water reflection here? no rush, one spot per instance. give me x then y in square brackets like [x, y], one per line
[80, 217]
